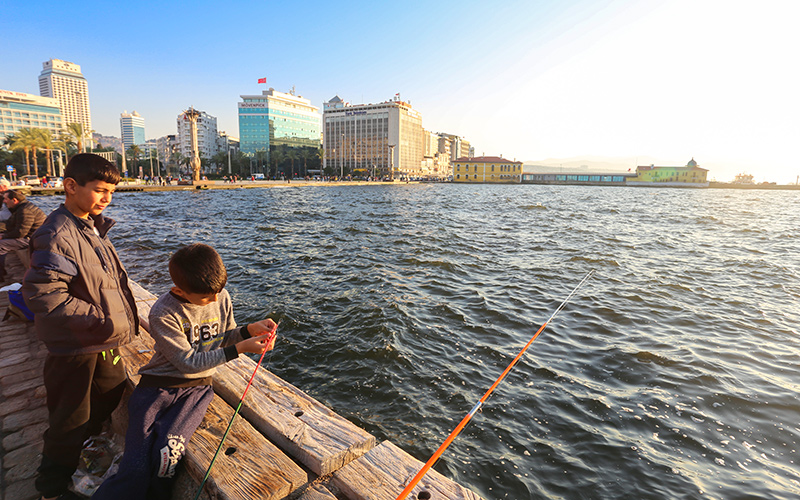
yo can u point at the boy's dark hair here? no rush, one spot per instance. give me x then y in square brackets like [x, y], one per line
[15, 195]
[198, 268]
[88, 167]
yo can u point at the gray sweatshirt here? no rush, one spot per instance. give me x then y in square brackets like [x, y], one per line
[191, 340]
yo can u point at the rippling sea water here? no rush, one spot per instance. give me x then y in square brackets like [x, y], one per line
[673, 374]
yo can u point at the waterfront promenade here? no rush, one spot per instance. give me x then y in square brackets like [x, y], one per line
[123, 186]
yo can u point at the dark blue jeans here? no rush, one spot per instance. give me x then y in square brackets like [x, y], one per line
[161, 423]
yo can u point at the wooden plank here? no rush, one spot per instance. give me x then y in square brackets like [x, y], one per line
[248, 466]
[317, 492]
[384, 472]
[144, 301]
[136, 354]
[307, 430]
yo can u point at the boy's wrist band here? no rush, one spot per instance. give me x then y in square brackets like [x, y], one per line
[244, 332]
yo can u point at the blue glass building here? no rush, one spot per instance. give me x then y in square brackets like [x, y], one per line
[275, 119]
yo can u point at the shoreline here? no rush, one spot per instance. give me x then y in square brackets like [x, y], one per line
[217, 184]
[123, 187]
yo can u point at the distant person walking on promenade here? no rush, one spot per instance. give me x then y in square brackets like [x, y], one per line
[25, 219]
[83, 310]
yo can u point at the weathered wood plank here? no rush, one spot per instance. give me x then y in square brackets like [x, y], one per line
[249, 466]
[137, 354]
[308, 431]
[317, 492]
[144, 301]
[382, 474]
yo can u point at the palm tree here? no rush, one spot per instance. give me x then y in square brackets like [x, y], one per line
[24, 140]
[320, 155]
[277, 157]
[45, 141]
[134, 151]
[75, 130]
[292, 156]
[305, 154]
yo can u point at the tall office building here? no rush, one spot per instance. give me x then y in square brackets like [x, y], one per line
[276, 118]
[64, 81]
[20, 110]
[373, 139]
[206, 135]
[131, 126]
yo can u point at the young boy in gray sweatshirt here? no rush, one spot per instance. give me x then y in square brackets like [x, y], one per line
[194, 332]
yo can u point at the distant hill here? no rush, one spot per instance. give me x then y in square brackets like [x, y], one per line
[108, 141]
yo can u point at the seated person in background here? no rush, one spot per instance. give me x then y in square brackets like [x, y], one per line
[194, 332]
[5, 213]
[25, 219]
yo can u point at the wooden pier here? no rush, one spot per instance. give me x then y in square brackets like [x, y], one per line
[283, 445]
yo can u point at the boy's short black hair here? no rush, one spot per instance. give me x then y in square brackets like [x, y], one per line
[198, 268]
[88, 167]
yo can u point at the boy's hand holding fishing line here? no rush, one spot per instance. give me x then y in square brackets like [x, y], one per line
[263, 337]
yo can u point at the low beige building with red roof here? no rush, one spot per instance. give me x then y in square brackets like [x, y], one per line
[487, 169]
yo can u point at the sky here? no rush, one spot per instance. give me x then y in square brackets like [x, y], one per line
[625, 82]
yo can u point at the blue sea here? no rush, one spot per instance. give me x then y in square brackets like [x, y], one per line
[672, 374]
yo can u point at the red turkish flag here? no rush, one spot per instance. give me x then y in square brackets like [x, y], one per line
[262, 80]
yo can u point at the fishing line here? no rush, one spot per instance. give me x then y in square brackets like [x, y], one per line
[225, 435]
[435, 457]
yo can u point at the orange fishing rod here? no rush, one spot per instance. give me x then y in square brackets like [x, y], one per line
[478, 405]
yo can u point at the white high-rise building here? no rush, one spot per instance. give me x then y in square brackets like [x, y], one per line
[131, 126]
[20, 110]
[206, 135]
[64, 81]
[373, 139]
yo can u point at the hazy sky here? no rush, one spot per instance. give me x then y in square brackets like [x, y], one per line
[716, 80]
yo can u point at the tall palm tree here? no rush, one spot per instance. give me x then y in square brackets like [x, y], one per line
[304, 154]
[277, 157]
[75, 130]
[134, 151]
[24, 140]
[45, 142]
[292, 156]
[320, 154]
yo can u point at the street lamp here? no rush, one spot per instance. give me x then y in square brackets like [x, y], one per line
[150, 157]
[229, 159]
